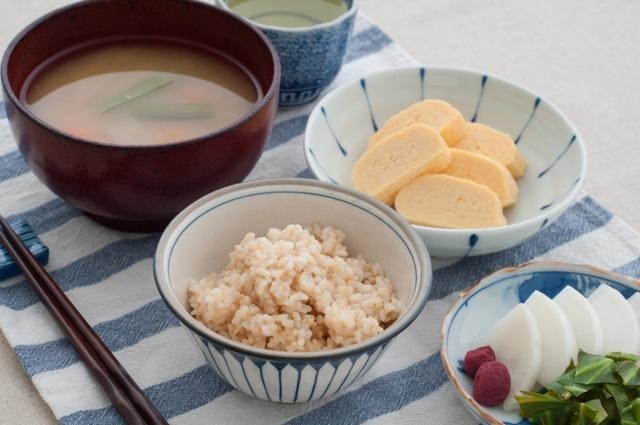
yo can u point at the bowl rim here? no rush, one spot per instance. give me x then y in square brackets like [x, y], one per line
[256, 108]
[408, 235]
[353, 9]
[489, 279]
[565, 201]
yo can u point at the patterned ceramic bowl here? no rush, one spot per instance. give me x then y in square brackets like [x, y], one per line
[479, 307]
[199, 240]
[310, 56]
[343, 121]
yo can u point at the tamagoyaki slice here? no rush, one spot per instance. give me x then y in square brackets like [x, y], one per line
[437, 114]
[485, 171]
[441, 200]
[394, 162]
[487, 141]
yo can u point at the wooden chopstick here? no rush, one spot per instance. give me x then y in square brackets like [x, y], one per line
[117, 396]
[125, 394]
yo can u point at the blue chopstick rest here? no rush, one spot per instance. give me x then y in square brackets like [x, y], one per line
[7, 267]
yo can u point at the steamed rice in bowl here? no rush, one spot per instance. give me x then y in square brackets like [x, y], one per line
[295, 289]
[312, 263]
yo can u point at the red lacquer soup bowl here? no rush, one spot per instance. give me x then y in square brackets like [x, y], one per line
[140, 187]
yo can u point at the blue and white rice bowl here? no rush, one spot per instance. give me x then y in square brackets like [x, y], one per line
[198, 241]
[481, 306]
[342, 122]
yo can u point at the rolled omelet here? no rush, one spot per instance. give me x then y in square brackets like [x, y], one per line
[437, 114]
[487, 141]
[485, 171]
[398, 159]
[445, 201]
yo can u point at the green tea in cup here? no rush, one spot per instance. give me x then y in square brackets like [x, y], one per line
[289, 13]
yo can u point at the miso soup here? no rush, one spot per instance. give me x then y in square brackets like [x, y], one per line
[140, 91]
[289, 13]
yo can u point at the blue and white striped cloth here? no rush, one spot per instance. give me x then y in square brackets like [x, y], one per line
[108, 275]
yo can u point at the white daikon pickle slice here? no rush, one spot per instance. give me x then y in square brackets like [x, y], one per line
[556, 336]
[584, 320]
[516, 341]
[634, 302]
[619, 322]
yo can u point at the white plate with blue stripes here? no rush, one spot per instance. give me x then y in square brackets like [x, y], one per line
[342, 122]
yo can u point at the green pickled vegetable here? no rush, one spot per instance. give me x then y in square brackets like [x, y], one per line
[629, 372]
[566, 386]
[618, 393]
[551, 416]
[594, 369]
[591, 411]
[630, 415]
[174, 111]
[143, 88]
[599, 390]
[623, 356]
[532, 404]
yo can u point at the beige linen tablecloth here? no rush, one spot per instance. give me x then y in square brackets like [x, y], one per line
[580, 54]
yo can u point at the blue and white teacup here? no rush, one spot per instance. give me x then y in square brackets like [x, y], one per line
[310, 57]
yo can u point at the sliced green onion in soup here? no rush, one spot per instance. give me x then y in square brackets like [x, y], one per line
[174, 111]
[141, 89]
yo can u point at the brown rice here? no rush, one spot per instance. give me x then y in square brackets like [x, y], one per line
[295, 289]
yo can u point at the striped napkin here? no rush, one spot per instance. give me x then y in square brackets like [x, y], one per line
[108, 275]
